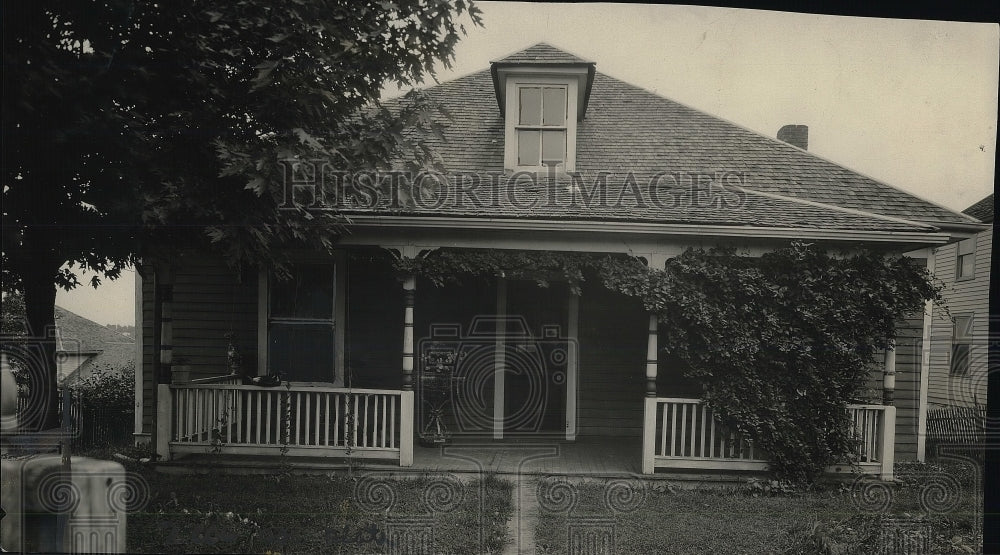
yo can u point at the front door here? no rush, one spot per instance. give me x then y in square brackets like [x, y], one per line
[535, 359]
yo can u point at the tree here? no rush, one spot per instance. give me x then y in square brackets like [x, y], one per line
[134, 127]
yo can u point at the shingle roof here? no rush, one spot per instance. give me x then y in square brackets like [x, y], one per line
[982, 210]
[541, 53]
[108, 349]
[629, 130]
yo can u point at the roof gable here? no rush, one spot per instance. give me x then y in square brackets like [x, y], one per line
[982, 210]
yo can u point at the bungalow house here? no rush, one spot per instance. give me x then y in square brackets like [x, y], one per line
[959, 338]
[543, 153]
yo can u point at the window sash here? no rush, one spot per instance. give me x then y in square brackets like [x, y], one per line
[541, 133]
[966, 265]
[301, 324]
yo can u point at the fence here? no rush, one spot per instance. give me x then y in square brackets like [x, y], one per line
[91, 426]
[961, 429]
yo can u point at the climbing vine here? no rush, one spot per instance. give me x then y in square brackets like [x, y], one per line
[779, 344]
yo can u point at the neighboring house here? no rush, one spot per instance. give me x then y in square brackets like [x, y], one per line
[83, 346]
[960, 342]
[634, 173]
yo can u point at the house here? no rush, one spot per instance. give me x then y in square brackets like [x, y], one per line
[84, 346]
[959, 342]
[543, 153]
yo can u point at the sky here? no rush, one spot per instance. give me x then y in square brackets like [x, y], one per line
[912, 103]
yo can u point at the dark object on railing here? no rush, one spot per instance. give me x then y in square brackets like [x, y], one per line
[270, 380]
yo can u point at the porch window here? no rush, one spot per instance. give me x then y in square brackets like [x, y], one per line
[960, 345]
[300, 328]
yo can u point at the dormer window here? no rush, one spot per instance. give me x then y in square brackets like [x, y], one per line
[542, 93]
[540, 123]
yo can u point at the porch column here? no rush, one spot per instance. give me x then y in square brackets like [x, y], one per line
[409, 291]
[406, 407]
[889, 376]
[651, 357]
[649, 403]
[163, 358]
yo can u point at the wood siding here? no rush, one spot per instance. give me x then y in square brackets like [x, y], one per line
[967, 297]
[209, 301]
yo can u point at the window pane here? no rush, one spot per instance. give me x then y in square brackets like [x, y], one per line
[531, 106]
[959, 359]
[301, 352]
[528, 147]
[963, 329]
[554, 103]
[553, 146]
[308, 294]
[966, 265]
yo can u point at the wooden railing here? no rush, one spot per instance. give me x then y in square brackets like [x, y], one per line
[685, 434]
[298, 421]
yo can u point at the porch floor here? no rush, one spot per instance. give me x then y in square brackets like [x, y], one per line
[594, 457]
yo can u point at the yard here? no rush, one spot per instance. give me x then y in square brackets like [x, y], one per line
[937, 504]
[285, 513]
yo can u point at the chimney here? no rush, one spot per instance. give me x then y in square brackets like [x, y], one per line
[795, 135]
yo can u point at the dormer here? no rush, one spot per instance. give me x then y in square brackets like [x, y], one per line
[542, 93]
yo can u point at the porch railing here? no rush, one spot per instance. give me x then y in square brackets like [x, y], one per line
[298, 421]
[685, 434]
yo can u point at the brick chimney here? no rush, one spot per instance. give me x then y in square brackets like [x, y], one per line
[795, 135]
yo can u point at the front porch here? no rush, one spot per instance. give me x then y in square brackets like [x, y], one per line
[324, 427]
[580, 373]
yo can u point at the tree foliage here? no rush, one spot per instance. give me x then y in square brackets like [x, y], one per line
[779, 344]
[133, 127]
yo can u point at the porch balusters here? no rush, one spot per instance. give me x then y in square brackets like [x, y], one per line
[889, 377]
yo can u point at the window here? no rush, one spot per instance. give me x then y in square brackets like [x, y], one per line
[966, 264]
[961, 341]
[300, 327]
[541, 125]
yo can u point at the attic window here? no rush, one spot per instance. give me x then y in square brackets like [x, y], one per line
[540, 123]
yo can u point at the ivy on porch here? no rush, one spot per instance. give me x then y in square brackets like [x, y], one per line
[779, 343]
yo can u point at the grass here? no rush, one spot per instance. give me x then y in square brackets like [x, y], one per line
[287, 513]
[831, 519]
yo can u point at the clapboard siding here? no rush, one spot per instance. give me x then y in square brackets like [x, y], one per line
[210, 300]
[961, 298]
[611, 384]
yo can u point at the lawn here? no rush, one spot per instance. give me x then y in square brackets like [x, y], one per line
[936, 504]
[215, 513]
